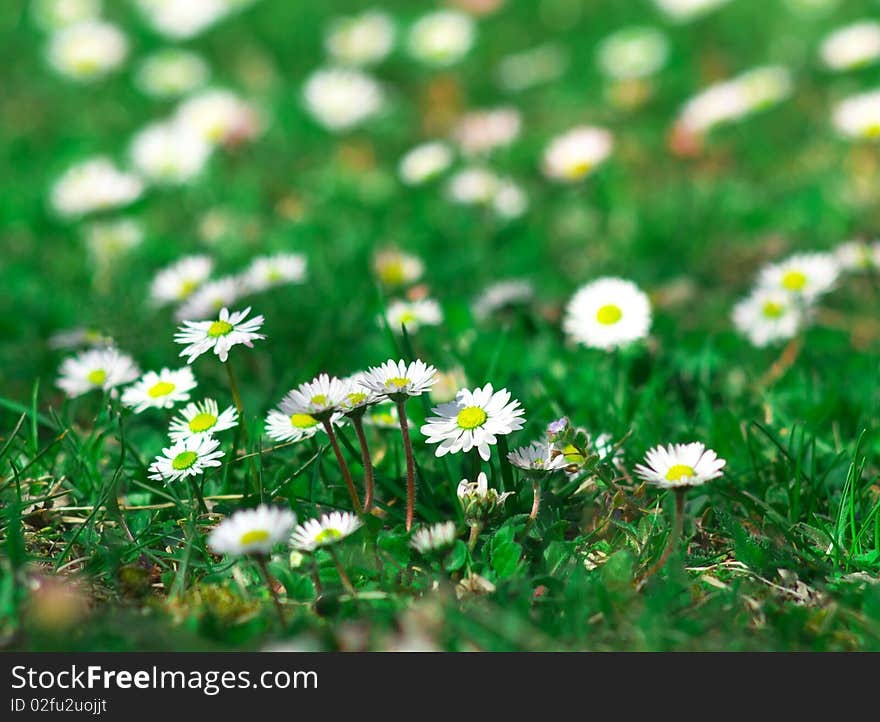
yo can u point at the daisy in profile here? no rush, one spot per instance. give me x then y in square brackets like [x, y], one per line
[218, 117]
[355, 404]
[435, 538]
[424, 163]
[539, 456]
[290, 427]
[474, 420]
[397, 268]
[363, 39]
[202, 419]
[502, 295]
[169, 153]
[103, 369]
[767, 316]
[175, 283]
[608, 313]
[858, 255]
[413, 314]
[680, 466]
[252, 531]
[330, 529]
[341, 98]
[94, 185]
[188, 457]
[88, 50]
[858, 116]
[805, 275]
[171, 72]
[266, 272]
[160, 390]
[572, 156]
[209, 298]
[441, 38]
[632, 53]
[220, 335]
[853, 46]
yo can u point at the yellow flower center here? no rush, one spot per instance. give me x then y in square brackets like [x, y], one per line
[679, 472]
[794, 281]
[184, 460]
[772, 309]
[356, 398]
[872, 131]
[408, 317]
[202, 422]
[163, 388]
[471, 417]
[328, 535]
[392, 273]
[302, 421]
[97, 377]
[219, 328]
[253, 536]
[319, 400]
[609, 314]
[397, 382]
[579, 169]
[187, 287]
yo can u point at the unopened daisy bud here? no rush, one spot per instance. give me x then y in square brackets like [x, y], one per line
[435, 538]
[479, 502]
[220, 335]
[441, 38]
[424, 163]
[171, 72]
[186, 458]
[412, 314]
[397, 268]
[252, 531]
[577, 153]
[329, 529]
[88, 50]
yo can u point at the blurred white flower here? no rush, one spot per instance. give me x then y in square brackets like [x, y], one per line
[510, 200]
[252, 531]
[532, 67]
[108, 240]
[171, 72]
[55, 14]
[209, 298]
[767, 316]
[329, 529]
[96, 369]
[441, 38]
[852, 46]
[434, 538]
[168, 153]
[397, 268]
[219, 117]
[424, 162]
[633, 52]
[473, 186]
[858, 255]
[88, 50]
[266, 272]
[804, 275]
[502, 294]
[413, 314]
[484, 130]
[176, 282]
[180, 19]
[685, 10]
[94, 185]
[362, 39]
[859, 115]
[575, 154]
[341, 99]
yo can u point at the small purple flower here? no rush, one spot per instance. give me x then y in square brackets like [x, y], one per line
[558, 426]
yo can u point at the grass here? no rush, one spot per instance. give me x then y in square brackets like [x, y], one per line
[781, 553]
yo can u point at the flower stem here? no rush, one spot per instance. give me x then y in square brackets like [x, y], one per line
[261, 562]
[674, 538]
[198, 501]
[342, 575]
[346, 474]
[536, 505]
[358, 423]
[474, 536]
[236, 397]
[410, 465]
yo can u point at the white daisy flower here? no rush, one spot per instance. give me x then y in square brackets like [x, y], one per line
[187, 457]
[510, 200]
[424, 163]
[252, 531]
[94, 185]
[398, 380]
[220, 335]
[805, 275]
[330, 529]
[341, 99]
[284, 426]
[266, 272]
[501, 295]
[363, 39]
[529, 68]
[632, 53]
[56, 14]
[160, 390]
[80, 336]
[209, 298]
[88, 50]
[109, 240]
[853, 46]
[767, 316]
[441, 38]
[181, 19]
[413, 314]
[397, 268]
[171, 72]
[319, 397]
[178, 281]
[383, 416]
[473, 186]
[575, 154]
[202, 419]
[858, 255]
[359, 397]
[474, 420]
[859, 115]
[218, 117]
[482, 131]
[679, 466]
[608, 313]
[537, 456]
[434, 538]
[168, 153]
[96, 369]
[685, 10]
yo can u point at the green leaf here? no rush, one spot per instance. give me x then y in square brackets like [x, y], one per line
[505, 559]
